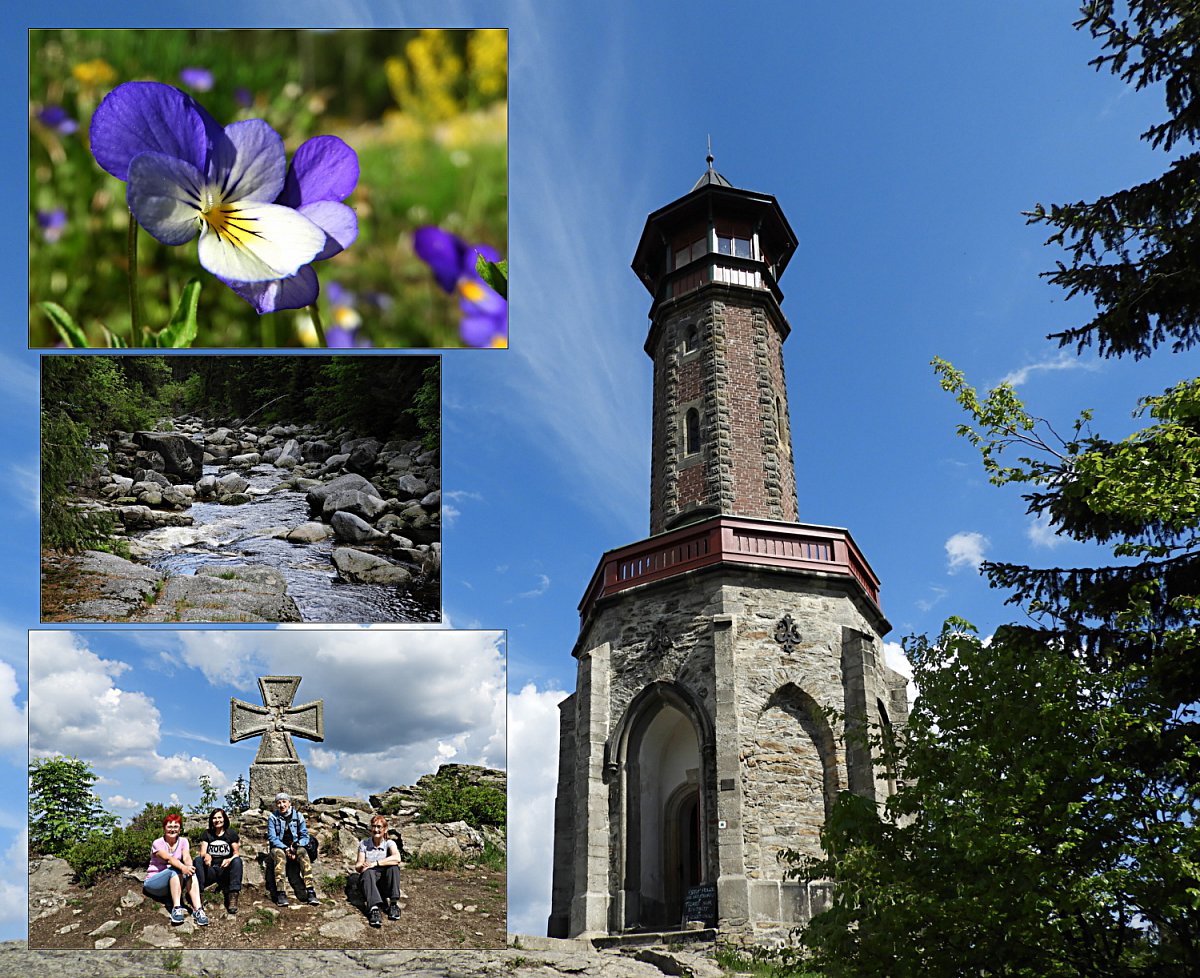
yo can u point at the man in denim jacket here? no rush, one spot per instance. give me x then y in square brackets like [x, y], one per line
[288, 835]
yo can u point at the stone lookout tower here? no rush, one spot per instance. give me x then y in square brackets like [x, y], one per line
[699, 741]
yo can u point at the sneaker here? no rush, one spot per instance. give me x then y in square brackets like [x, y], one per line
[375, 917]
[311, 896]
[178, 915]
[231, 902]
[200, 917]
[394, 911]
[281, 899]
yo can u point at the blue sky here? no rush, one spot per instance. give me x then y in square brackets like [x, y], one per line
[903, 147]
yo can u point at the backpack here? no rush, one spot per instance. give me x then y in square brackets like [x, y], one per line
[312, 847]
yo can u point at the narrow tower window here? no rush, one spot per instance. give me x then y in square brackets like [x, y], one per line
[691, 338]
[692, 434]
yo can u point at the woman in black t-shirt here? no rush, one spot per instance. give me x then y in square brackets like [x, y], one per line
[219, 860]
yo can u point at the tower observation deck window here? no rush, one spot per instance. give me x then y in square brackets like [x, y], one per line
[731, 245]
[690, 252]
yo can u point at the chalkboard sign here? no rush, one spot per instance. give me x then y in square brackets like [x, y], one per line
[701, 904]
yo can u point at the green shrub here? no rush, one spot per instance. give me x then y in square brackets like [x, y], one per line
[63, 809]
[453, 799]
[127, 848]
[438, 861]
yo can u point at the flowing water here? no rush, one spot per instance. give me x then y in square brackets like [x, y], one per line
[225, 535]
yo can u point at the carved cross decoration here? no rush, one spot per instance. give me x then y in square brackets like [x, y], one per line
[660, 640]
[787, 633]
[277, 720]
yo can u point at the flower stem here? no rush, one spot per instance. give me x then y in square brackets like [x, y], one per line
[135, 324]
[316, 321]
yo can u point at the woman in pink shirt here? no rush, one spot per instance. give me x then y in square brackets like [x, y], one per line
[170, 865]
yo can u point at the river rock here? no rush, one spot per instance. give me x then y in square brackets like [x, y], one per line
[433, 500]
[145, 518]
[225, 593]
[230, 483]
[411, 487]
[344, 483]
[120, 586]
[290, 450]
[349, 528]
[333, 464]
[317, 450]
[354, 501]
[358, 567]
[181, 455]
[309, 533]
[246, 460]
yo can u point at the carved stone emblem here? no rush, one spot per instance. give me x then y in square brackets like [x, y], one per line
[660, 640]
[276, 767]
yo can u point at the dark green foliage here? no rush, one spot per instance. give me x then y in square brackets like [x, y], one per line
[1045, 823]
[123, 848]
[237, 798]
[63, 809]
[452, 798]
[427, 409]
[208, 798]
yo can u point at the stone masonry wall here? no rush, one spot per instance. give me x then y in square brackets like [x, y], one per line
[790, 762]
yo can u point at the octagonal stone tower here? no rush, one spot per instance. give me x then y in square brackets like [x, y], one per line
[725, 661]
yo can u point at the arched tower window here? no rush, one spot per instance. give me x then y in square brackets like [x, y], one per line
[691, 443]
[691, 338]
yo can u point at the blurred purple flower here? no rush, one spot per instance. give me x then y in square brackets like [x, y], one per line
[197, 79]
[55, 117]
[323, 173]
[484, 312]
[243, 96]
[53, 223]
[187, 176]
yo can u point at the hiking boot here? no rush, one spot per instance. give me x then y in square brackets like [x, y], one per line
[200, 917]
[231, 902]
[281, 899]
[178, 915]
[375, 917]
[311, 896]
[394, 911]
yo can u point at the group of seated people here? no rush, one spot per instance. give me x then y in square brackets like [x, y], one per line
[173, 869]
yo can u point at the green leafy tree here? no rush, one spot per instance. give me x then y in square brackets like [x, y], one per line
[63, 809]
[208, 797]
[1049, 787]
[237, 798]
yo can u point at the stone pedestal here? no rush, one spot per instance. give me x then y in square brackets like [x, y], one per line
[267, 780]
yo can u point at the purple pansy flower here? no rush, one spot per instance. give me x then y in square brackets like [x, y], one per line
[53, 223]
[197, 79]
[323, 173]
[452, 261]
[187, 176]
[55, 117]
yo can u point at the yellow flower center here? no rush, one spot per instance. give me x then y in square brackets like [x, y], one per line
[470, 290]
[226, 220]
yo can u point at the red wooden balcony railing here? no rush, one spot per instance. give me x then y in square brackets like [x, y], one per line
[730, 540]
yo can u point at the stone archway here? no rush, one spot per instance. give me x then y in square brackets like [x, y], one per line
[663, 830]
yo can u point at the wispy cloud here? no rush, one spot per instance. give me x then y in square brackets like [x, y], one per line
[542, 587]
[965, 549]
[1064, 361]
[1040, 533]
[936, 595]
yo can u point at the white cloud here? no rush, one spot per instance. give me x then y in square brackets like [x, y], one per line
[119, 803]
[12, 716]
[76, 708]
[22, 485]
[180, 767]
[14, 901]
[1040, 533]
[936, 595]
[532, 780]
[1064, 361]
[19, 379]
[893, 654]
[542, 586]
[966, 550]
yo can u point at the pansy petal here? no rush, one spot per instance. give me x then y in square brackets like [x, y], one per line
[323, 168]
[338, 221]
[147, 117]
[481, 330]
[442, 252]
[251, 163]
[294, 292]
[164, 196]
[258, 242]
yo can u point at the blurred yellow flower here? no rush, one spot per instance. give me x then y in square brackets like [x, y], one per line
[94, 73]
[487, 52]
[424, 80]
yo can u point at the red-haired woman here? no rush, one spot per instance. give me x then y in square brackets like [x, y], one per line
[171, 869]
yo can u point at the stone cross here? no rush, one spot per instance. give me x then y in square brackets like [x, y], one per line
[276, 766]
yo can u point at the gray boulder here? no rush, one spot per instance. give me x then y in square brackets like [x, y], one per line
[353, 501]
[318, 494]
[349, 528]
[362, 568]
[181, 455]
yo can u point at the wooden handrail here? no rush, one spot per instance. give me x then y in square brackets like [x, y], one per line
[730, 540]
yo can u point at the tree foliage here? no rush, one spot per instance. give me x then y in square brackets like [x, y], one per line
[63, 809]
[1045, 822]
